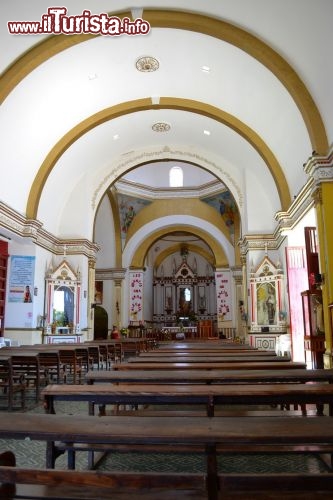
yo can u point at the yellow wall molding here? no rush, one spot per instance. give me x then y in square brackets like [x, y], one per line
[177, 206]
[141, 105]
[199, 24]
[138, 260]
[112, 196]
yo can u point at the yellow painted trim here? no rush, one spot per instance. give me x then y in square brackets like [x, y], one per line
[141, 105]
[138, 261]
[323, 206]
[117, 229]
[200, 24]
[177, 206]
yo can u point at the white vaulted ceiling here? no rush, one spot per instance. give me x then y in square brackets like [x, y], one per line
[76, 117]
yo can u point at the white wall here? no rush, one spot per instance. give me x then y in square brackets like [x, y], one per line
[22, 320]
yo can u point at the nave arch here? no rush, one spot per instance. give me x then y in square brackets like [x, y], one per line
[144, 104]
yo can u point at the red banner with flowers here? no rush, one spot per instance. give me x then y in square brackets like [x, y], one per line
[136, 296]
[223, 295]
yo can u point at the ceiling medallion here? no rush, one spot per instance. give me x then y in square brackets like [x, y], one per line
[147, 64]
[161, 127]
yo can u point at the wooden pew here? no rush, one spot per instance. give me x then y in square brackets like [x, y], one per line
[208, 348]
[26, 363]
[11, 383]
[92, 485]
[199, 345]
[289, 486]
[133, 346]
[110, 352]
[300, 375]
[94, 355]
[68, 485]
[50, 365]
[72, 362]
[193, 394]
[209, 354]
[207, 359]
[40, 362]
[234, 365]
[21, 483]
[210, 435]
[59, 360]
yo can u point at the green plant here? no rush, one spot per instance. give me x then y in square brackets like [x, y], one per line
[124, 332]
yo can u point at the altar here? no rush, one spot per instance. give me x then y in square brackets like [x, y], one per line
[181, 333]
[62, 338]
[264, 341]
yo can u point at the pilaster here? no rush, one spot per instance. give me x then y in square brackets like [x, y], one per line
[91, 298]
[320, 170]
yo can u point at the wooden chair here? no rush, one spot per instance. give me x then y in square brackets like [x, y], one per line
[95, 357]
[50, 366]
[11, 383]
[72, 364]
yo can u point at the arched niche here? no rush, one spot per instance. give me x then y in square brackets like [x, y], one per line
[62, 302]
[266, 288]
[268, 316]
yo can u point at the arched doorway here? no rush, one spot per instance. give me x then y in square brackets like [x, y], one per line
[100, 323]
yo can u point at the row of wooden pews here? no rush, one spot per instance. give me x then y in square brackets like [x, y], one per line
[210, 436]
[31, 367]
[26, 484]
[216, 376]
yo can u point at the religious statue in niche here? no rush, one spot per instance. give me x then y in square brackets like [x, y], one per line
[319, 316]
[185, 301]
[168, 300]
[266, 291]
[98, 292]
[202, 302]
[62, 300]
[266, 303]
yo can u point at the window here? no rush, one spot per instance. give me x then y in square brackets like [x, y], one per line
[187, 294]
[176, 177]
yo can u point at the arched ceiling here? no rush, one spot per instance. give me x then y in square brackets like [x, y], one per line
[244, 87]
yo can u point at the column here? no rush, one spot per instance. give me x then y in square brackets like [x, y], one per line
[117, 303]
[91, 298]
[321, 172]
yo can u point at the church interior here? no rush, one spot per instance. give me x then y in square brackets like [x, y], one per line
[166, 181]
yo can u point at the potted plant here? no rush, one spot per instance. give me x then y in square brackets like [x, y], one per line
[124, 332]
